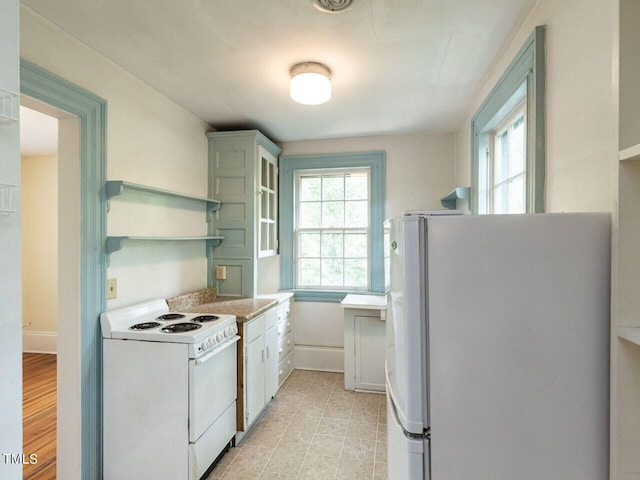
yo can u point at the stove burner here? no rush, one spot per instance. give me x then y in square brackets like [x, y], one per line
[170, 316]
[180, 327]
[205, 318]
[145, 326]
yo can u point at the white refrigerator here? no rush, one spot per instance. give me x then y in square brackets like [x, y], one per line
[497, 362]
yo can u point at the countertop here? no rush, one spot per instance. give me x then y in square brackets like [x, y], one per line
[367, 302]
[206, 301]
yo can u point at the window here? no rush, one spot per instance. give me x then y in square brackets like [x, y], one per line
[508, 131]
[333, 207]
[504, 164]
[332, 229]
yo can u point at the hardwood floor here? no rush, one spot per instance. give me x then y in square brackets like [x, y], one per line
[39, 414]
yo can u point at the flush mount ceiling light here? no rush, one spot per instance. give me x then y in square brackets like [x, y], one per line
[310, 83]
[333, 6]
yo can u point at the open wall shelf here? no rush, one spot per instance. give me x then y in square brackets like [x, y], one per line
[631, 153]
[113, 244]
[114, 188]
[631, 334]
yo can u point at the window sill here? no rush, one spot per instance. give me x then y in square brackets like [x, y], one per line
[326, 296]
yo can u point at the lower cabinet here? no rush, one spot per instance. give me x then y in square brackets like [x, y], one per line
[260, 366]
[285, 340]
[364, 342]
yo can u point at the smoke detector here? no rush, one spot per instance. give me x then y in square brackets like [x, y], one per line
[333, 6]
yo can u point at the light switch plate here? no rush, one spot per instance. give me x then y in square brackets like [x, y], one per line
[221, 272]
[112, 288]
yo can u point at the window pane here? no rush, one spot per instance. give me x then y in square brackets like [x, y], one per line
[310, 215]
[309, 272]
[500, 199]
[501, 161]
[332, 272]
[356, 214]
[310, 188]
[332, 214]
[516, 162]
[516, 195]
[332, 245]
[355, 245]
[333, 188]
[356, 187]
[355, 272]
[309, 245]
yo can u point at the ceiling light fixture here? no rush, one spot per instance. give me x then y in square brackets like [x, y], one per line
[310, 83]
[333, 6]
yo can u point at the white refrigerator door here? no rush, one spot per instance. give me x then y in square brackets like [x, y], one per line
[519, 346]
[405, 356]
[408, 458]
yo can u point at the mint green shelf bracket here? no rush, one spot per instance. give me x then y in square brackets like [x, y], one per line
[459, 193]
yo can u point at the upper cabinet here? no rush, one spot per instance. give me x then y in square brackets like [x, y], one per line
[243, 175]
[268, 206]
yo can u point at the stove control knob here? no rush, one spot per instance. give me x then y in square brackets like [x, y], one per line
[219, 336]
[228, 332]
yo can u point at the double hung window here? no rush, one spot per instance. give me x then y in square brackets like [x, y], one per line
[331, 214]
[332, 229]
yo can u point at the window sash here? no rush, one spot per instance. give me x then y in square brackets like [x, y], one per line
[344, 230]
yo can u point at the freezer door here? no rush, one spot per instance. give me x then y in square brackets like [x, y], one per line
[408, 458]
[406, 330]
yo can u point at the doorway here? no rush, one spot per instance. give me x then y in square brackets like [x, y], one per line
[82, 230]
[40, 290]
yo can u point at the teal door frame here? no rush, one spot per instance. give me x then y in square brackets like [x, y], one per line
[46, 87]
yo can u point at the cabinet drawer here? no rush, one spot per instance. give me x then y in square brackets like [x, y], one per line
[284, 328]
[253, 329]
[285, 367]
[284, 346]
[270, 318]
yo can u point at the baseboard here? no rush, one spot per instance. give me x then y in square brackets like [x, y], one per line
[40, 342]
[309, 357]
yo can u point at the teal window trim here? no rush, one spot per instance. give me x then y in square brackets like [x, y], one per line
[42, 85]
[376, 162]
[528, 69]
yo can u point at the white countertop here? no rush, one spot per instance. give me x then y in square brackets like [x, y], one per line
[279, 296]
[367, 302]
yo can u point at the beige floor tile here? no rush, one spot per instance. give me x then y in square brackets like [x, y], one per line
[381, 451]
[358, 429]
[350, 469]
[294, 438]
[318, 467]
[359, 449]
[286, 460]
[333, 426]
[380, 471]
[218, 472]
[305, 423]
[262, 436]
[338, 409]
[240, 473]
[326, 445]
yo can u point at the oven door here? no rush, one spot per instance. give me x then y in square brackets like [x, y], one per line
[212, 387]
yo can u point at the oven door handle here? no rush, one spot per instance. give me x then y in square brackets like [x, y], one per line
[217, 350]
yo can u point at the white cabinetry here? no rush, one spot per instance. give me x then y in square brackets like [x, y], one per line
[285, 333]
[364, 342]
[260, 375]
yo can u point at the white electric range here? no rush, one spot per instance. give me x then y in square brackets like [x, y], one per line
[169, 384]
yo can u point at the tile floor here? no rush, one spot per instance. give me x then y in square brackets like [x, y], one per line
[313, 429]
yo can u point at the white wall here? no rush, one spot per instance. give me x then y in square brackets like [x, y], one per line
[39, 253]
[150, 140]
[420, 170]
[582, 119]
[10, 276]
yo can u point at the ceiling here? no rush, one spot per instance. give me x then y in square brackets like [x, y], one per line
[398, 66]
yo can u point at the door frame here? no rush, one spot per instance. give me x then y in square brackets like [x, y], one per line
[46, 87]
